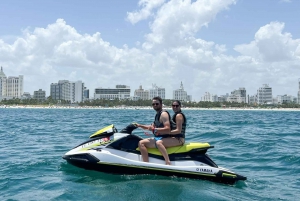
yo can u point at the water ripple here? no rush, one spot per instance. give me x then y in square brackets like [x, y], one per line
[262, 145]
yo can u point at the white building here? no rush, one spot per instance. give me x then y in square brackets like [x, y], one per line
[299, 91]
[2, 83]
[86, 93]
[238, 96]
[210, 97]
[157, 91]
[284, 99]
[223, 98]
[40, 95]
[206, 97]
[264, 95]
[77, 92]
[68, 91]
[120, 92]
[26, 95]
[180, 94]
[253, 99]
[142, 94]
[11, 87]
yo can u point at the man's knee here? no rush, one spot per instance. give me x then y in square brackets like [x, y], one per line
[159, 142]
[141, 143]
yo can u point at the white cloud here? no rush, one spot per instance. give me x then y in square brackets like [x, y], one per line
[171, 53]
[271, 44]
[145, 12]
[178, 19]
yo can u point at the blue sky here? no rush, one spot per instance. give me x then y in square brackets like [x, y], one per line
[209, 45]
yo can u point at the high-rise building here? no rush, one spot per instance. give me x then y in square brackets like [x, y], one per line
[26, 95]
[120, 92]
[67, 90]
[299, 91]
[238, 96]
[11, 87]
[264, 94]
[223, 98]
[252, 99]
[284, 99]
[77, 91]
[142, 94]
[40, 95]
[86, 93]
[157, 91]
[180, 94]
[206, 97]
[58, 91]
[2, 83]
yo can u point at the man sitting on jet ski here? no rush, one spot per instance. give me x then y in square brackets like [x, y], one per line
[161, 128]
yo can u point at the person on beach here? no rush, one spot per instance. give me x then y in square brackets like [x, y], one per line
[161, 128]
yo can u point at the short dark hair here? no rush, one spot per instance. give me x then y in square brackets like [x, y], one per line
[179, 103]
[158, 99]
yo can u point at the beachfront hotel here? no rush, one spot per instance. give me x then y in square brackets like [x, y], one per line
[11, 87]
[40, 95]
[141, 94]
[284, 99]
[120, 92]
[68, 91]
[210, 98]
[299, 91]
[264, 95]
[180, 94]
[238, 96]
[86, 93]
[157, 91]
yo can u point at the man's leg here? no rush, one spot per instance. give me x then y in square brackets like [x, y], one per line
[163, 151]
[143, 144]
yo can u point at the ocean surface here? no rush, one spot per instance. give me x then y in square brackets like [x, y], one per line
[261, 145]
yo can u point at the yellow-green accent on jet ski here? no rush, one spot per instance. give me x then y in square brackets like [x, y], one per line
[180, 149]
[107, 129]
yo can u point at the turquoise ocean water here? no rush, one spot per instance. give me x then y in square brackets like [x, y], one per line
[262, 145]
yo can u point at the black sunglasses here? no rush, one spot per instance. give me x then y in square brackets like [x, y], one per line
[175, 105]
[155, 104]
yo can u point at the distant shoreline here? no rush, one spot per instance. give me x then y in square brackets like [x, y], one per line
[141, 108]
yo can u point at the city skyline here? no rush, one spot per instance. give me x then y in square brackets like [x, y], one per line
[214, 45]
[70, 91]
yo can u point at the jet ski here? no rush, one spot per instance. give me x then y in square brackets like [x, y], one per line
[110, 151]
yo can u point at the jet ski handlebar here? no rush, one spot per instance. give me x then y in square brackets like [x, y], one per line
[128, 129]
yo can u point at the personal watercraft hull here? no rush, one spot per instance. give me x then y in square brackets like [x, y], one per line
[88, 162]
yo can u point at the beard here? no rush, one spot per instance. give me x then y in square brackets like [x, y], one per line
[157, 109]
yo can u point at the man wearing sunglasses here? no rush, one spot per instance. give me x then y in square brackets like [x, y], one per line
[161, 128]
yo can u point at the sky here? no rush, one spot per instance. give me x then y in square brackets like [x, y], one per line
[213, 46]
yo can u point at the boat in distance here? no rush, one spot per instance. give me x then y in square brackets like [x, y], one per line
[110, 151]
